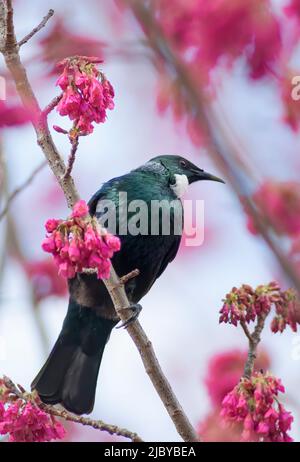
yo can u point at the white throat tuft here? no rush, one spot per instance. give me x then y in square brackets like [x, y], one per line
[181, 185]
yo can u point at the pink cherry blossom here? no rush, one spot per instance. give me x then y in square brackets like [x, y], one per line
[246, 304]
[87, 94]
[26, 422]
[254, 404]
[79, 243]
[80, 209]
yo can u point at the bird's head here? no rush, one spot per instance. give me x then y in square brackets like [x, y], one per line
[182, 172]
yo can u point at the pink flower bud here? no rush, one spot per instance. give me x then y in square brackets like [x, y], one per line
[80, 209]
[51, 225]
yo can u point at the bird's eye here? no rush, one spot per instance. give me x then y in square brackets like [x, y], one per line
[182, 163]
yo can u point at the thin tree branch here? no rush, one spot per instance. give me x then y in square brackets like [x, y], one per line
[72, 156]
[117, 292]
[254, 340]
[49, 108]
[37, 28]
[16, 391]
[221, 149]
[21, 188]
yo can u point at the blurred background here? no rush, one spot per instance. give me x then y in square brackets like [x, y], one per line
[181, 312]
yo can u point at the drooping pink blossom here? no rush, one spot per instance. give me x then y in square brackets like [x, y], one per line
[87, 94]
[280, 203]
[254, 404]
[80, 243]
[245, 304]
[80, 209]
[26, 422]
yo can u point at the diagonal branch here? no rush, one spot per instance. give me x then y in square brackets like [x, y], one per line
[117, 292]
[18, 392]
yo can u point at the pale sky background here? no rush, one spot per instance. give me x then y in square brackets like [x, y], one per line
[180, 314]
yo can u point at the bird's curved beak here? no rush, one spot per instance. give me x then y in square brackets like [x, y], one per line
[198, 175]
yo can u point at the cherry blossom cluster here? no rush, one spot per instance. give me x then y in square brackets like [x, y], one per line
[24, 421]
[246, 304]
[287, 310]
[223, 373]
[87, 94]
[280, 203]
[79, 243]
[254, 404]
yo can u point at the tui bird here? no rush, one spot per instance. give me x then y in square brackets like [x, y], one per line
[70, 373]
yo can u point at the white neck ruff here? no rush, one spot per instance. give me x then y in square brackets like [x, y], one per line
[180, 186]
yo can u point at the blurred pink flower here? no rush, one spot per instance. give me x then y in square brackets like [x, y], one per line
[293, 9]
[13, 115]
[223, 29]
[280, 203]
[212, 429]
[44, 279]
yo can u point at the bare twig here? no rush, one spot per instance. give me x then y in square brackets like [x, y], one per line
[127, 277]
[17, 391]
[37, 28]
[49, 108]
[71, 159]
[116, 291]
[221, 149]
[21, 188]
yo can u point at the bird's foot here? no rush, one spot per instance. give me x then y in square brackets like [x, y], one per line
[136, 308]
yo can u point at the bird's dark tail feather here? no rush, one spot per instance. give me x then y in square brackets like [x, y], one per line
[70, 373]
